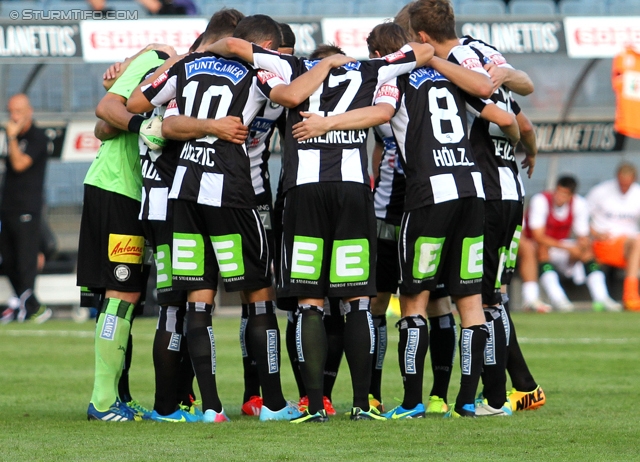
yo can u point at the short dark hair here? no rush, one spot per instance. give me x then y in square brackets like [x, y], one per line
[387, 38]
[324, 50]
[259, 28]
[196, 44]
[288, 37]
[569, 182]
[221, 25]
[434, 17]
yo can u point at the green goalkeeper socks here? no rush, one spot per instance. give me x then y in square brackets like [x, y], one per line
[112, 335]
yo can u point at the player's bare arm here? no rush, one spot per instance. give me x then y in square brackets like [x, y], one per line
[470, 81]
[528, 141]
[113, 110]
[137, 102]
[301, 88]
[423, 51]
[357, 119]
[183, 128]
[515, 80]
[503, 119]
[230, 47]
[103, 131]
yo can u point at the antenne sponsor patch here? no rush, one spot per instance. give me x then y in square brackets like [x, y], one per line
[265, 76]
[161, 78]
[232, 70]
[390, 91]
[421, 75]
[394, 56]
[126, 249]
[109, 327]
[471, 63]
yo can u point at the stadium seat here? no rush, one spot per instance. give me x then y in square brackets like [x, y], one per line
[280, 8]
[7, 7]
[624, 7]
[582, 8]
[208, 8]
[482, 8]
[66, 5]
[533, 7]
[378, 9]
[330, 8]
[127, 5]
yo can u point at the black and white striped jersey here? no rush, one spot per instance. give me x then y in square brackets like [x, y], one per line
[500, 174]
[211, 171]
[488, 51]
[389, 189]
[258, 142]
[498, 164]
[158, 170]
[429, 126]
[338, 155]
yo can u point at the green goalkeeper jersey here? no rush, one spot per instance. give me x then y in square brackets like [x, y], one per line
[116, 168]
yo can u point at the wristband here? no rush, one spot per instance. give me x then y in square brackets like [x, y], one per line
[135, 123]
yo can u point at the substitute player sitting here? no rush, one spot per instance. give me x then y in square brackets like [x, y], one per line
[614, 206]
[552, 218]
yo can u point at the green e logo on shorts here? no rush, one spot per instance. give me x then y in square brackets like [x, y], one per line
[228, 251]
[513, 248]
[306, 257]
[163, 266]
[188, 254]
[350, 261]
[427, 256]
[472, 258]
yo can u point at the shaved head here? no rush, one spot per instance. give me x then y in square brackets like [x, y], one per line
[20, 111]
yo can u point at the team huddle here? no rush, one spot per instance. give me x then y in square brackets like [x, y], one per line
[182, 176]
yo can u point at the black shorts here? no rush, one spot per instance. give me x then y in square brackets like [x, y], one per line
[265, 209]
[111, 245]
[329, 241]
[501, 220]
[159, 235]
[442, 243]
[387, 265]
[210, 240]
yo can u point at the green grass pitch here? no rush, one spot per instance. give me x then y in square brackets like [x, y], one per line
[587, 363]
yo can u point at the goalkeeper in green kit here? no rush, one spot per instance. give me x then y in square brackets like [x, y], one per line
[111, 247]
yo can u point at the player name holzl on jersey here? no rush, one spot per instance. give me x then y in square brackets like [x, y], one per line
[446, 157]
[339, 137]
[198, 154]
[504, 150]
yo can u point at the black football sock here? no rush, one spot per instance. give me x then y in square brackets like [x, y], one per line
[473, 339]
[334, 327]
[412, 351]
[358, 348]
[186, 375]
[442, 343]
[311, 345]
[203, 353]
[263, 340]
[379, 352]
[123, 382]
[494, 373]
[167, 356]
[290, 340]
[521, 378]
[251, 376]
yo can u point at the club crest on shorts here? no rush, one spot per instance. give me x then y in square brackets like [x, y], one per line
[122, 273]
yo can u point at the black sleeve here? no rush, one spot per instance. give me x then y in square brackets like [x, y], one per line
[515, 107]
[37, 148]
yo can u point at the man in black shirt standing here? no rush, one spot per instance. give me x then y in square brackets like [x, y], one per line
[21, 209]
